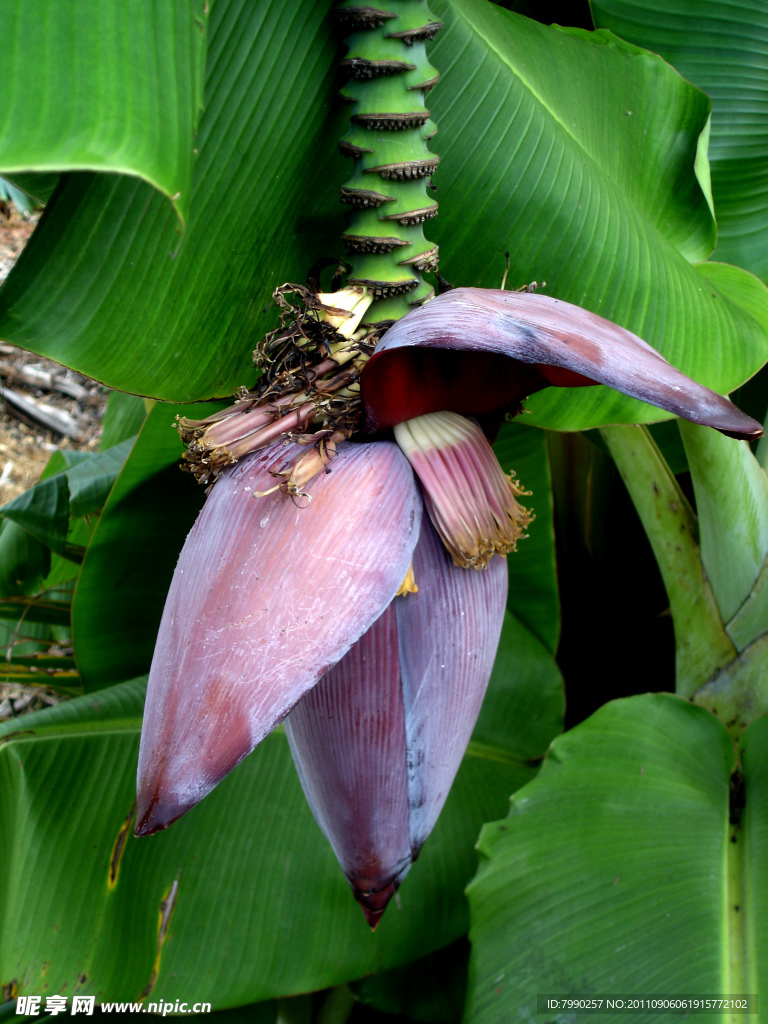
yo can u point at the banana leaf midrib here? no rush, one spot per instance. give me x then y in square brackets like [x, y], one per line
[492, 46]
[489, 752]
[25, 731]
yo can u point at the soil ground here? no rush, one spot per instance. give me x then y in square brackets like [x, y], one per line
[26, 444]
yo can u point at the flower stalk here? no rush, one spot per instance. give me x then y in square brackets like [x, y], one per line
[388, 192]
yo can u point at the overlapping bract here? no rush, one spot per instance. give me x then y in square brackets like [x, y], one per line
[380, 738]
[480, 350]
[266, 596]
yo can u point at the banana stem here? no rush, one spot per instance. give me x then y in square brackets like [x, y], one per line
[390, 127]
[702, 645]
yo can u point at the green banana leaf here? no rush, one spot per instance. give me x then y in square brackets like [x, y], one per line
[73, 485]
[714, 565]
[67, 787]
[44, 533]
[111, 87]
[24, 561]
[626, 866]
[731, 489]
[38, 186]
[431, 990]
[702, 646]
[575, 211]
[123, 418]
[36, 582]
[525, 112]
[129, 563]
[721, 46]
[533, 596]
[183, 328]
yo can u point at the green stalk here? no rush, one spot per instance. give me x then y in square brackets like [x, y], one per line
[703, 647]
[710, 671]
[732, 501]
[390, 127]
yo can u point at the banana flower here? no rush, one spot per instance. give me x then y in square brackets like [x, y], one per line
[367, 615]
